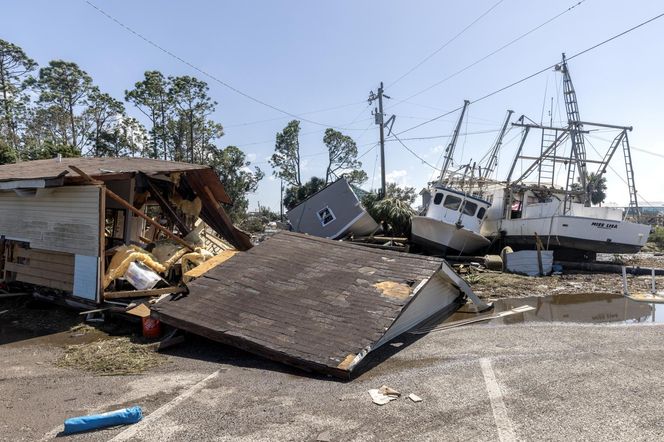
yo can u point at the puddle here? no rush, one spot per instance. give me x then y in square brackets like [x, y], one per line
[584, 308]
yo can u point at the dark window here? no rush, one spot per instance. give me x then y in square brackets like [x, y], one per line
[326, 216]
[469, 208]
[452, 202]
[481, 213]
[438, 198]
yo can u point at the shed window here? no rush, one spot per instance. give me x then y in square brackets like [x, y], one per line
[481, 213]
[469, 208]
[438, 198]
[326, 216]
[452, 202]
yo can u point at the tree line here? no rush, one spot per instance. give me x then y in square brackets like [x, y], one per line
[57, 109]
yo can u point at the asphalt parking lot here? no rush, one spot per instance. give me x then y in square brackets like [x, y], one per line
[528, 381]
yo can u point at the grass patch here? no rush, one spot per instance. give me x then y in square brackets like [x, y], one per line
[111, 357]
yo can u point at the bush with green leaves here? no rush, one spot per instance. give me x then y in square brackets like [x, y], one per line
[657, 236]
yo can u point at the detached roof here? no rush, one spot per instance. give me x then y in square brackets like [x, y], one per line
[95, 167]
[306, 301]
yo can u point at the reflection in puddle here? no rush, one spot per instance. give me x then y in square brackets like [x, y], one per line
[589, 308]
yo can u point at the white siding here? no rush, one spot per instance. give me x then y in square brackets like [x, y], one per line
[63, 219]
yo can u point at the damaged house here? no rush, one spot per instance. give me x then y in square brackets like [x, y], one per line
[62, 221]
[333, 212]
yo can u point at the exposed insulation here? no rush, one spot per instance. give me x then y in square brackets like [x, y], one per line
[124, 256]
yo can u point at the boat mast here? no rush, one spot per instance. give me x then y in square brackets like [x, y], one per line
[449, 151]
[493, 153]
[578, 152]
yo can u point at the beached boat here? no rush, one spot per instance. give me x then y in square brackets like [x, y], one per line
[564, 218]
[451, 218]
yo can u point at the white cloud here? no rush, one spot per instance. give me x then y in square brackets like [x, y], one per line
[251, 157]
[399, 176]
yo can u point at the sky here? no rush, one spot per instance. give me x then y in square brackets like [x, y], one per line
[319, 60]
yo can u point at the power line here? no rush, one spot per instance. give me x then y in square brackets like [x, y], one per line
[267, 120]
[425, 59]
[413, 153]
[207, 74]
[449, 77]
[648, 152]
[528, 77]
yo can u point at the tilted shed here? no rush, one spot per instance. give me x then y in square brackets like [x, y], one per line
[332, 212]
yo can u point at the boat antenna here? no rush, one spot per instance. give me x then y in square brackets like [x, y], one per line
[449, 151]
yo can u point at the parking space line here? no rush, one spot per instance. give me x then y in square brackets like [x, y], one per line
[503, 422]
[164, 409]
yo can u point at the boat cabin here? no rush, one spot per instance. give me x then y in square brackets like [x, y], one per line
[454, 207]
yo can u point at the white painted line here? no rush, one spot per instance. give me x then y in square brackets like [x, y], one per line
[503, 422]
[133, 430]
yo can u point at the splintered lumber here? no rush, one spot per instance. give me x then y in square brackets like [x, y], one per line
[143, 293]
[166, 207]
[211, 263]
[117, 198]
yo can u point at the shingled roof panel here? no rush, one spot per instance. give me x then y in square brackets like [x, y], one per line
[308, 301]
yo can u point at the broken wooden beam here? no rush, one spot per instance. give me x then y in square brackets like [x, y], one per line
[166, 207]
[144, 293]
[118, 199]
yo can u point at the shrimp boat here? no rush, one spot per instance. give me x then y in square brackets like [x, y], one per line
[534, 207]
[451, 219]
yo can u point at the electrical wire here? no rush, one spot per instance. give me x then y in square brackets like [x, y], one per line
[413, 153]
[267, 120]
[534, 74]
[615, 172]
[494, 52]
[207, 74]
[447, 43]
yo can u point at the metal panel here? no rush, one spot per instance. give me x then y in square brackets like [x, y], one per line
[85, 277]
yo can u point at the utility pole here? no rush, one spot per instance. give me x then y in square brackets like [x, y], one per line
[380, 121]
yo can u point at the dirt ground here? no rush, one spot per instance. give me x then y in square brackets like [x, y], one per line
[496, 285]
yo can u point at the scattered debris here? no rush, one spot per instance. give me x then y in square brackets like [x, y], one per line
[415, 398]
[325, 436]
[383, 395]
[448, 325]
[124, 416]
[117, 356]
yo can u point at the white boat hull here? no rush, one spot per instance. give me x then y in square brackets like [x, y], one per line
[571, 232]
[446, 237]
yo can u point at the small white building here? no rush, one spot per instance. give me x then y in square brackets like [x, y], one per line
[332, 212]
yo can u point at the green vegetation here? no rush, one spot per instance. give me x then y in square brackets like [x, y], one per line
[58, 110]
[657, 236]
[394, 211]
